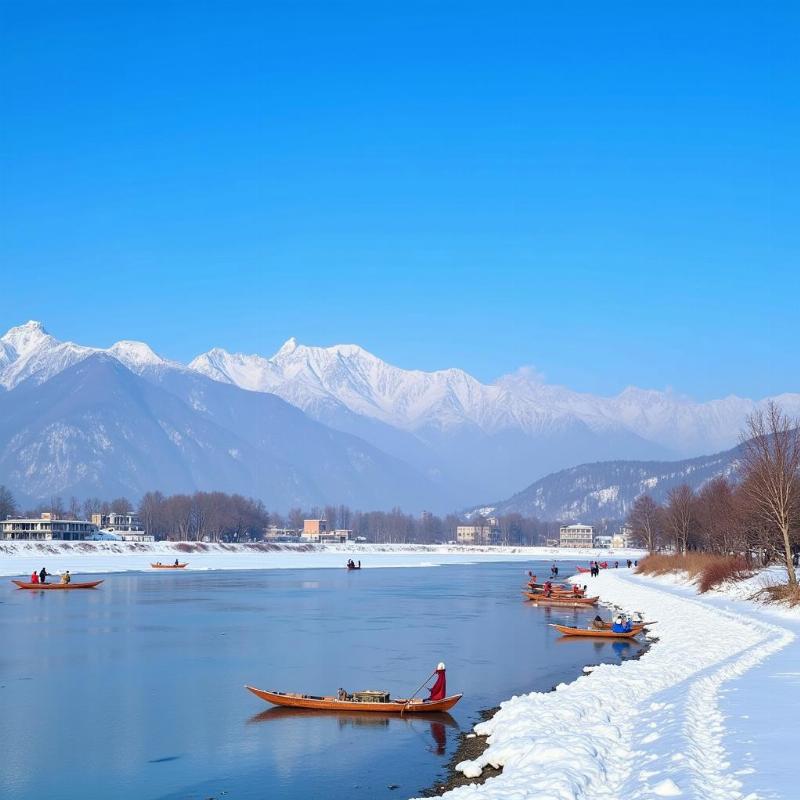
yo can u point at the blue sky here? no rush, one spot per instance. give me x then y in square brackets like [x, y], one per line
[605, 191]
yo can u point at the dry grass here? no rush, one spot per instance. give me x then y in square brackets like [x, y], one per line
[708, 569]
[782, 593]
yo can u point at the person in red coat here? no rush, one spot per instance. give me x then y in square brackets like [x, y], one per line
[34, 577]
[439, 688]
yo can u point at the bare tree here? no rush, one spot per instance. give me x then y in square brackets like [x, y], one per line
[678, 515]
[645, 521]
[8, 508]
[770, 461]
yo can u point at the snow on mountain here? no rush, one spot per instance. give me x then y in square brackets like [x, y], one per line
[349, 376]
[29, 352]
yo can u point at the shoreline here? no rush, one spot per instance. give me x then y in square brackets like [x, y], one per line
[670, 702]
[86, 557]
[472, 745]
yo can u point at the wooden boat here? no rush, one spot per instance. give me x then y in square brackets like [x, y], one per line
[603, 565]
[351, 568]
[564, 602]
[583, 570]
[397, 706]
[169, 566]
[566, 630]
[73, 585]
[557, 592]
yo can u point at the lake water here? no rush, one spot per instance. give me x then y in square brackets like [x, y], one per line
[134, 691]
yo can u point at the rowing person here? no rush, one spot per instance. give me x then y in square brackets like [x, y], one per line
[43, 573]
[176, 562]
[439, 689]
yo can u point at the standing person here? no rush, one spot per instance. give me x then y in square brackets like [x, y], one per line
[439, 689]
[43, 573]
[616, 565]
[34, 577]
[555, 567]
[65, 577]
[629, 563]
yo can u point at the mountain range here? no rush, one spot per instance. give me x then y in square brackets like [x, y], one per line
[608, 489]
[312, 425]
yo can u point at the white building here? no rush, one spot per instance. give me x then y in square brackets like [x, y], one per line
[46, 528]
[125, 526]
[576, 535]
[487, 533]
[622, 538]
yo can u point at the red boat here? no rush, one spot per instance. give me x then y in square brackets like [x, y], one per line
[582, 570]
[86, 585]
[397, 706]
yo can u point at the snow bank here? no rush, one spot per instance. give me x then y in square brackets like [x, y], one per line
[642, 729]
[20, 558]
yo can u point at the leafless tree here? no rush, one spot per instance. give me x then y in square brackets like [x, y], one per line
[645, 520]
[770, 461]
[678, 515]
[8, 508]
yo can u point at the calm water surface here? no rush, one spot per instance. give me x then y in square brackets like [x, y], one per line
[134, 691]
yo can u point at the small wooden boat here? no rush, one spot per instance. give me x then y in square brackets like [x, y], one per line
[603, 565]
[159, 565]
[349, 567]
[85, 585]
[583, 570]
[558, 592]
[396, 706]
[607, 633]
[564, 602]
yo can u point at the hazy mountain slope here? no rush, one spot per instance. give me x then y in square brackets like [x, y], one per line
[99, 429]
[607, 489]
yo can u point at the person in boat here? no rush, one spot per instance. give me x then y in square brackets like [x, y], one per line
[34, 577]
[341, 694]
[439, 689]
[618, 626]
[359, 563]
[350, 563]
[597, 623]
[548, 589]
[576, 590]
[43, 573]
[65, 577]
[176, 562]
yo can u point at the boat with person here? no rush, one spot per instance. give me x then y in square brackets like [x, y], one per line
[357, 701]
[159, 565]
[59, 586]
[563, 602]
[605, 633]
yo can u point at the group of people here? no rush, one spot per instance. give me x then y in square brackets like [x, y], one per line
[42, 575]
[594, 568]
[621, 624]
[352, 564]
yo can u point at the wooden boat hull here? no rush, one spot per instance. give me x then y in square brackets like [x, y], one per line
[57, 586]
[558, 593]
[566, 630]
[169, 566]
[580, 602]
[582, 570]
[333, 704]
[351, 569]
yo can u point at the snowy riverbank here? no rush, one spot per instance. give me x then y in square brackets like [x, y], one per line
[705, 713]
[20, 558]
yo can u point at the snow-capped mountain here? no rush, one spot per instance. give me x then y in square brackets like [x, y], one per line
[470, 438]
[608, 489]
[320, 378]
[30, 352]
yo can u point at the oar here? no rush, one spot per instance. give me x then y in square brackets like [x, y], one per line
[402, 710]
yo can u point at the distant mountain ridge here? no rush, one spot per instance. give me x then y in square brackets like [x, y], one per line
[464, 438]
[608, 489]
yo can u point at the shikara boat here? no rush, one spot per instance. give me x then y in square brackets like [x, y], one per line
[351, 568]
[607, 633]
[396, 706]
[583, 570]
[563, 602]
[73, 585]
[557, 592]
[169, 566]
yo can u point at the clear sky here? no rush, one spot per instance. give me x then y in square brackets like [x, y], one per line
[607, 191]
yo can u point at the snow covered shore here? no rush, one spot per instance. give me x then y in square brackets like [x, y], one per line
[20, 558]
[706, 713]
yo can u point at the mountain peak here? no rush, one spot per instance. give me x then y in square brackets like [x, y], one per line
[133, 353]
[288, 347]
[24, 338]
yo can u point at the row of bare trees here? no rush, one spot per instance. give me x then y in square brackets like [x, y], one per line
[759, 513]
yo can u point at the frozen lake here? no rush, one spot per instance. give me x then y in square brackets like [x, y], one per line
[135, 690]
